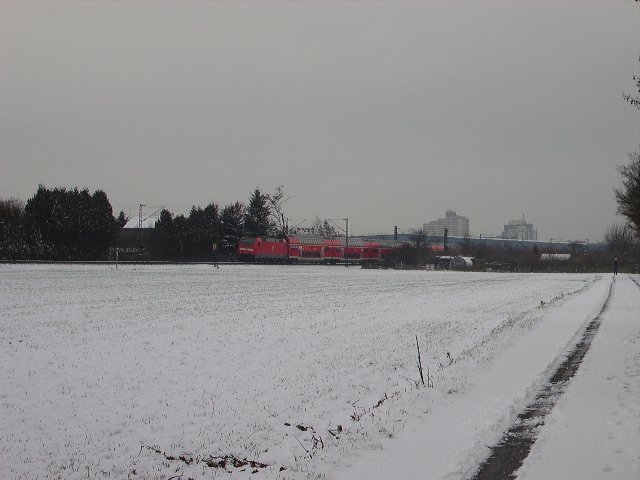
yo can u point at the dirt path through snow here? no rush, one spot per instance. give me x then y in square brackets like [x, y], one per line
[508, 455]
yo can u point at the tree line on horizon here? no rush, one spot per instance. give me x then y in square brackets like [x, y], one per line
[57, 224]
[75, 224]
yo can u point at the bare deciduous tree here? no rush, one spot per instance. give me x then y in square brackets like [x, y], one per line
[322, 228]
[619, 238]
[418, 238]
[634, 100]
[276, 202]
[628, 195]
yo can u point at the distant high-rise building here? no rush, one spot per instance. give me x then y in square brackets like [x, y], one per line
[456, 225]
[520, 230]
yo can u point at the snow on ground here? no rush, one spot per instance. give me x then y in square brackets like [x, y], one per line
[594, 430]
[310, 370]
[455, 438]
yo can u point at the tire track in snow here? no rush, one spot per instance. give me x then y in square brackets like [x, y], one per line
[508, 455]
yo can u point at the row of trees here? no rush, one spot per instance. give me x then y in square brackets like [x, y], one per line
[58, 224]
[192, 237]
[73, 224]
[620, 242]
[195, 236]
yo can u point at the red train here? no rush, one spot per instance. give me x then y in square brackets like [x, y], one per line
[313, 249]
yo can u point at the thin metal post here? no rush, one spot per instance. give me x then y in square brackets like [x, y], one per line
[346, 237]
[140, 226]
[446, 234]
[217, 249]
[346, 261]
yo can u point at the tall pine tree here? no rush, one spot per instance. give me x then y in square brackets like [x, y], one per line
[231, 227]
[257, 217]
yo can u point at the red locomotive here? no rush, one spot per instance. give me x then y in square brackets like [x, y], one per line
[313, 249]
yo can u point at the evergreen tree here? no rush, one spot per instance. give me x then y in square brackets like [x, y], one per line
[70, 224]
[122, 220]
[231, 227]
[180, 226]
[14, 243]
[257, 221]
[201, 231]
[168, 236]
[100, 225]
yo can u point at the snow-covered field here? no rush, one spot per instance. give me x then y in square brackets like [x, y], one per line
[164, 372]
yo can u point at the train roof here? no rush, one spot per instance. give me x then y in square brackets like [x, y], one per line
[340, 241]
[336, 242]
[307, 239]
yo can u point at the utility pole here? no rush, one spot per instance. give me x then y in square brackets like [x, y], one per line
[216, 246]
[141, 220]
[346, 263]
[140, 225]
[346, 237]
[446, 234]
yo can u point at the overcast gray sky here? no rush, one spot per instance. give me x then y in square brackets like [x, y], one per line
[388, 113]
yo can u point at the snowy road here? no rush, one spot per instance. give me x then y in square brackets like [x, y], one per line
[161, 371]
[594, 430]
